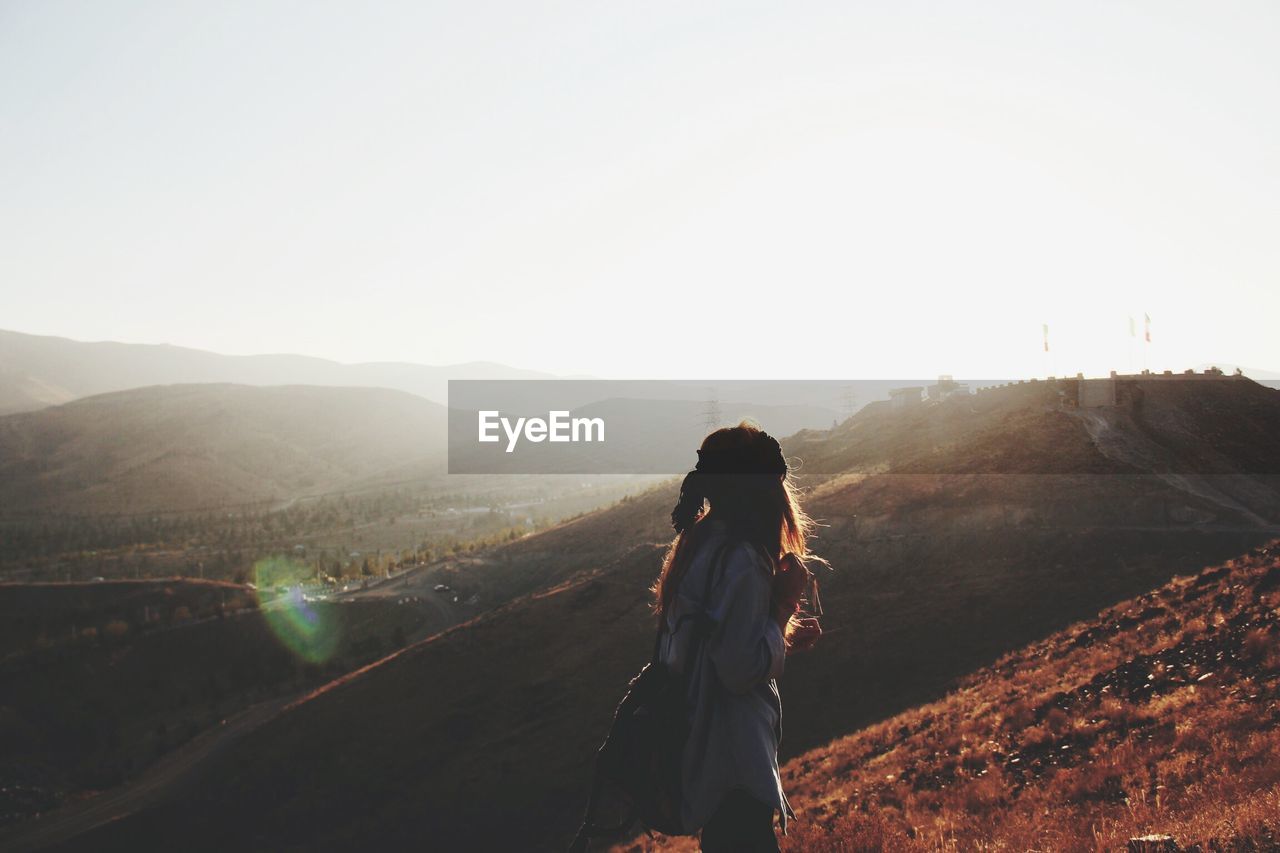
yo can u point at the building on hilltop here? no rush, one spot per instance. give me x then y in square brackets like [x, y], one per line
[1102, 393]
[945, 388]
[1208, 373]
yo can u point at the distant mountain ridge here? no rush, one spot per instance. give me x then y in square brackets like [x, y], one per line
[194, 447]
[40, 370]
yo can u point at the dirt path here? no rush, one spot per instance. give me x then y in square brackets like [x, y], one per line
[152, 786]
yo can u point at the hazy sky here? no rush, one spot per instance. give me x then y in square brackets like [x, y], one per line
[648, 189]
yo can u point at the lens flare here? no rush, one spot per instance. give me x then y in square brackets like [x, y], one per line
[308, 631]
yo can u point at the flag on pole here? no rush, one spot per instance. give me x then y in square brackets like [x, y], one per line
[1133, 331]
[1146, 327]
[1045, 327]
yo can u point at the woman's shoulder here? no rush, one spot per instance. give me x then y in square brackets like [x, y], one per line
[738, 554]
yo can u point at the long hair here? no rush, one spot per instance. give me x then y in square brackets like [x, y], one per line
[742, 479]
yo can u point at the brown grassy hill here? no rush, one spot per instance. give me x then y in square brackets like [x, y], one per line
[186, 447]
[958, 534]
[1161, 715]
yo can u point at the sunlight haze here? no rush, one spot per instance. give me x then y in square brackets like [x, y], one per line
[656, 190]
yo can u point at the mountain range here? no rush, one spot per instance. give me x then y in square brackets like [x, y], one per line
[40, 370]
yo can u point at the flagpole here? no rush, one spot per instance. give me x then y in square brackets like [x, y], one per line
[1132, 335]
[1146, 345]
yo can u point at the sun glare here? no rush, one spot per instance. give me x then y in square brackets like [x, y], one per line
[309, 632]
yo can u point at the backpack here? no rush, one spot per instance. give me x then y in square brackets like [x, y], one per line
[641, 759]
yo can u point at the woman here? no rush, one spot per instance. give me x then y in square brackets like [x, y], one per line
[737, 516]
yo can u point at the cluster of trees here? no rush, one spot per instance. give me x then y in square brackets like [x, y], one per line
[237, 528]
[361, 535]
[226, 545]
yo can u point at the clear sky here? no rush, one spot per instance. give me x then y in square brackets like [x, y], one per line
[649, 189]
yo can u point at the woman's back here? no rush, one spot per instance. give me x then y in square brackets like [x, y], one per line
[735, 706]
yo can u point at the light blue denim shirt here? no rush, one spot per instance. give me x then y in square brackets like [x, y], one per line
[735, 708]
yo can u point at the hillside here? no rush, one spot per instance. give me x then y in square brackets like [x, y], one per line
[41, 370]
[1160, 715]
[187, 447]
[959, 532]
[100, 680]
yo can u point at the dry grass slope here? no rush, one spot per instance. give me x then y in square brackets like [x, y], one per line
[1160, 715]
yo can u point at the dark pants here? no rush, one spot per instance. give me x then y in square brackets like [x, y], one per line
[741, 824]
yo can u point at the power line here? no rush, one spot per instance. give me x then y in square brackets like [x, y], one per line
[712, 416]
